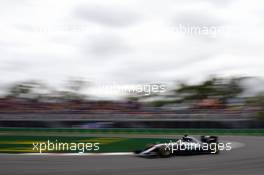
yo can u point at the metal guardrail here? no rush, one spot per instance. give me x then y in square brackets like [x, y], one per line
[138, 131]
[116, 117]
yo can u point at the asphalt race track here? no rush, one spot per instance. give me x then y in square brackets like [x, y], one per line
[246, 160]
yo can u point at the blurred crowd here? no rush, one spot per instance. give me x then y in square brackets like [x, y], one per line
[205, 108]
[20, 105]
[214, 97]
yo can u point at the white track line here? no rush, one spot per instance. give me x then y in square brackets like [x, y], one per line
[76, 154]
[234, 145]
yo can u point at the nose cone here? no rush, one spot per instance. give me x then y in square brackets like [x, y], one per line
[137, 151]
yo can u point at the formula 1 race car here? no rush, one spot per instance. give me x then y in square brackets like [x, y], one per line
[184, 146]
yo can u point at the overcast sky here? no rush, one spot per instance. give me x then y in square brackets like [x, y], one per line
[130, 41]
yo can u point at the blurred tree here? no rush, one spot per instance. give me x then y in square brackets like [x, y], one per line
[258, 100]
[27, 89]
[76, 84]
[74, 89]
[222, 89]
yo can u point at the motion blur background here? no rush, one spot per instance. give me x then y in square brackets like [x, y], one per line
[194, 61]
[80, 66]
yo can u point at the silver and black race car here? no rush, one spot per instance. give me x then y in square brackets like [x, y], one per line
[184, 146]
